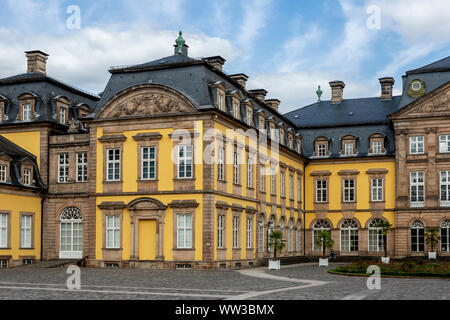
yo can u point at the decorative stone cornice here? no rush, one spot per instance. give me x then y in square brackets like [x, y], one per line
[148, 136]
[111, 205]
[377, 171]
[222, 205]
[113, 138]
[348, 173]
[184, 204]
[320, 173]
[237, 207]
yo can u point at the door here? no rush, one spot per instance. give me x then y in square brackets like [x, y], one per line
[71, 234]
[147, 240]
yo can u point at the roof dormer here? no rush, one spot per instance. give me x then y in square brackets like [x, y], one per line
[27, 106]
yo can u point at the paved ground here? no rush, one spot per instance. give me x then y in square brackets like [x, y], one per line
[291, 283]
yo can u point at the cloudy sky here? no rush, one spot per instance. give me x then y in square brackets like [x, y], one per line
[288, 47]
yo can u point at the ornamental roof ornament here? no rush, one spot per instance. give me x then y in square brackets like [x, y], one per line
[180, 43]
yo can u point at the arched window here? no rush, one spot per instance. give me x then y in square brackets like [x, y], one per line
[298, 236]
[375, 236]
[320, 225]
[290, 234]
[71, 240]
[349, 236]
[417, 236]
[261, 234]
[445, 236]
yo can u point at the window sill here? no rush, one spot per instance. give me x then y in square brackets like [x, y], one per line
[112, 182]
[417, 205]
[27, 248]
[147, 180]
[183, 249]
[112, 249]
[184, 179]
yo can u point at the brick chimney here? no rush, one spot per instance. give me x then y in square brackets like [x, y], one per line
[217, 62]
[273, 103]
[260, 94]
[37, 61]
[240, 78]
[387, 84]
[337, 91]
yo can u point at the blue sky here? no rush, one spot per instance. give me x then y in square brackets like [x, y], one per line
[287, 47]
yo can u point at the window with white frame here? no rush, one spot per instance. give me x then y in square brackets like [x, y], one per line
[26, 112]
[4, 263]
[377, 189]
[416, 145]
[2, 173]
[148, 163]
[249, 233]
[320, 225]
[322, 150]
[270, 229]
[262, 178]
[185, 162]
[113, 164]
[298, 237]
[349, 236]
[3, 230]
[349, 190]
[249, 117]
[273, 183]
[290, 235]
[445, 236]
[82, 167]
[291, 187]
[377, 147]
[63, 167]
[25, 231]
[261, 234]
[282, 185]
[249, 172]
[417, 186]
[112, 232]
[445, 188]
[220, 231]
[221, 163]
[236, 169]
[184, 231]
[235, 232]
[221, 102]
[444, 144]
[236, 111]
[376, 238]
[299, 190]
[349, 149]
[417, 236]
[27, 177]
[62, 115]
[321, 191]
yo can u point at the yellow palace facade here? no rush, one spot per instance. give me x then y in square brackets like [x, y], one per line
[177, 164]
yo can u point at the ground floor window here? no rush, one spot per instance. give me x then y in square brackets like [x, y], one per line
[220, 231]
[4, 263]
[349, 236]
[3, 230]
[298, 238]
[376, 238]
[290, 234]
[235, 232]
[71, 242]
[113, 232]
[184, 231]
[261, 235]
[321, 225]
[445, 236]
[417, 236]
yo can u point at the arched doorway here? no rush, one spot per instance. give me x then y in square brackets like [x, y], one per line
[71, 234]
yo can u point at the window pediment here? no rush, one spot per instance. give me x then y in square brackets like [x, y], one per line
[146, 204]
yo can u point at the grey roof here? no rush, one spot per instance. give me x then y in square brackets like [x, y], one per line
[438, 66]
[18, 155]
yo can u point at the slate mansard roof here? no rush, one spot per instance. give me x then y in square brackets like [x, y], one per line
[18, 156]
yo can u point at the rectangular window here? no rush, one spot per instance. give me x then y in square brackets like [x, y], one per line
[27, 177]
[221, 102]
[185, 163]
[220, 231]
[236, 111]
[291, 187]
[249, 173]
[262, 177]
[221, 164]
[444, 144]
[63, 167]
[148, 163]
[349, 149]
[445, 188]
[236, 167]
[416, 145]
[184, 231]
[113, 232]
[282, 185]
[377, 190]
[321, 191]
[235, 232]
[261, 236]
[62, 115]
[322, 150]
[376, 147]
[349, 190]
[299, 190]
[3, 230]
[113, 164]
[417, 185]
[2, 173]
[249, 233]
[273, 183]
[82, 167]
[26, 112]
[4, 263]
[25, 231]
[249, 117]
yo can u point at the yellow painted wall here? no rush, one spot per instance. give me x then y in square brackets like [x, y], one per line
[29, 141]
[15, 205]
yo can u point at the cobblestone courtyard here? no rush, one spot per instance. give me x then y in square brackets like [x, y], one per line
[300, 282]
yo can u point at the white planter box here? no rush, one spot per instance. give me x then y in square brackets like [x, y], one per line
[432, 255]
[274, 265]
[323, 262]
[385, 259]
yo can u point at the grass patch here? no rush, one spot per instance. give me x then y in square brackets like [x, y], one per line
[422, 269]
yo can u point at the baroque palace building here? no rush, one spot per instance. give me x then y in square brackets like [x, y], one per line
[176, 164]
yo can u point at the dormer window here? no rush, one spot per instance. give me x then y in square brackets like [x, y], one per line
[27, 177]
[349, 149]
[376, 147]
[27, 106]
[321, 147]
[26, 112]
[221, 101]
[322, 150]
[281, 138]
[262, 123]
[2, 111]
[291, 142]
[62, 115]
[3, 174]
[348, 146]
[249, 117]
[236, 110]
[377, 144]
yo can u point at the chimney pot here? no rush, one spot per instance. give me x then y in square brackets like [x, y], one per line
[37, 61]
[387, 85]
[240, 78]
[337, 91]
[217, 62]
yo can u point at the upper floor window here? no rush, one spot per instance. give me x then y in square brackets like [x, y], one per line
[62, 115]
[349, 149]
[27, 177]
[63, 167]
[236, 169]
[185, 162]
[249, 117]
[282, 185]
[273, 183]
[377, 147]
[221, 164]
[349, 190]
[82, 165]
[236, 110]
[3, 173]
[26, 112]
[417, 186]
[322, 150]
[249, 173]
[377, 190]
[291, 187]
[444, 144]
[221, 101]
[113, 164]
[445, 188]
[299, 189]
[262, 177]
[148, 163]
[321, 191]
[416, 145]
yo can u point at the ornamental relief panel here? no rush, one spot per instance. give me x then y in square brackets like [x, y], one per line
[437, 104]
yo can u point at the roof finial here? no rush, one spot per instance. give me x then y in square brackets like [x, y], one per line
[319, 93]
[180, 43]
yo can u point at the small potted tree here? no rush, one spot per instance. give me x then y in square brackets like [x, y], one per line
[277, 243]
[432, 238]
[386, 227]
[325, 242]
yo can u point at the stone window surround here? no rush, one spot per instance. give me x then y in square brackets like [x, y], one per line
[109, 211]
[251, 155]
[187, 253]
[322, 141]
[27, 99]
[180, 183]
[148, 140]
[300, 175]
[62, 103]
[8, 225]
[283, 169]
[377, 174]
[349, 175]
[425, 143]
[108, 143]
[236, 211]
[249, 109]
[349, 139]
[26, 164]
[321, 175]
[377, 137]
[5, 160]
[33, 222]
[250, 214]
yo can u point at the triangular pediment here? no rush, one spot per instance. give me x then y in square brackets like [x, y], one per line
[434, 104]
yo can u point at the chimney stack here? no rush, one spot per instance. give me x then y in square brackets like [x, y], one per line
[240, 78]
[387, 84]
[37, 61]
[337, 91]
[273, 103]
[260, 94]
[217, 62]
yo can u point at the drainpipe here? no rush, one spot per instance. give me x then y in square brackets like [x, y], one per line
[43, 195]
